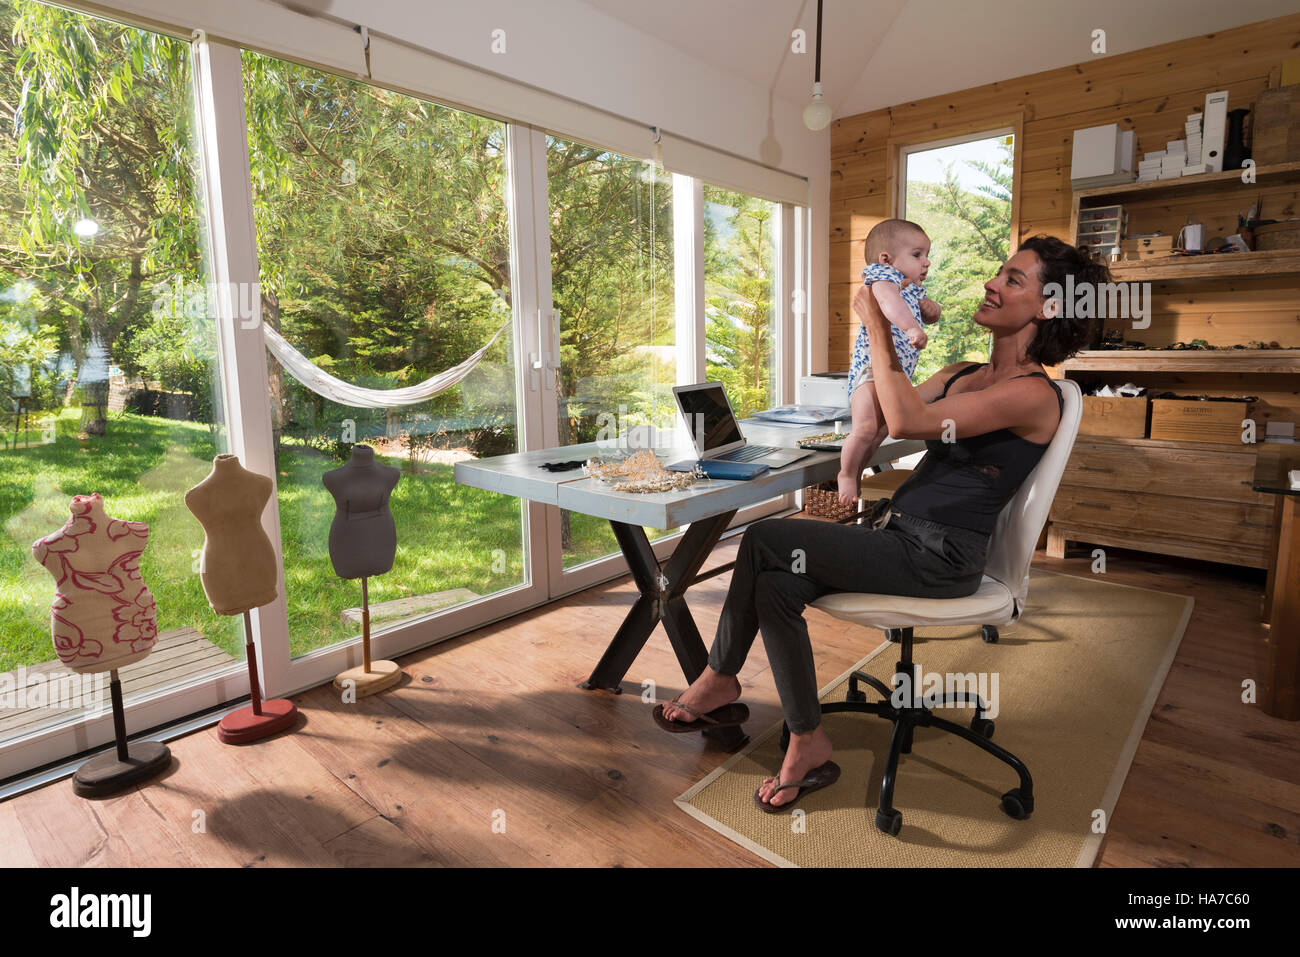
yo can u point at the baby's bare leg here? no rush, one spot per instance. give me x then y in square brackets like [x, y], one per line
[867, 434]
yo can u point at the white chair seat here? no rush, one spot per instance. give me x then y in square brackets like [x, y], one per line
[992, 604]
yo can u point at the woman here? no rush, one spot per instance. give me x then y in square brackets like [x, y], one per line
[988, 425]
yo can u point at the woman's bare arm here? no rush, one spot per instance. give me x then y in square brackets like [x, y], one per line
[909, 411]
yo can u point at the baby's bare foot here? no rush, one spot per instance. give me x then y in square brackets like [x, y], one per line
[848, 489]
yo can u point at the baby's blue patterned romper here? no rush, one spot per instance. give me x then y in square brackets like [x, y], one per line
[908, 356]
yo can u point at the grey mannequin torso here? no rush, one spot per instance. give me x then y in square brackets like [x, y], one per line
[238, 566]
[363, 535]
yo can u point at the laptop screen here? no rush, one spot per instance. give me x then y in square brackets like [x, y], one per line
[708, 415]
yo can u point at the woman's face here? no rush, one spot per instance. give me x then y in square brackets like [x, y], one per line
[1014, 296]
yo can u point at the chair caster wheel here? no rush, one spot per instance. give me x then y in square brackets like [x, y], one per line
[785, 737]
[989, 634]
[1017, 805]
[982, 726]
[856, 697]
[891, 821]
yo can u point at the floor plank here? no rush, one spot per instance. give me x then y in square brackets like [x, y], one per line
[489, 729]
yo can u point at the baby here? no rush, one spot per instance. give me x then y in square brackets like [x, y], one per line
[898, 258]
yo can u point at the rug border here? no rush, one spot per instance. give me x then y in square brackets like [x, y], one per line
[1110, 797]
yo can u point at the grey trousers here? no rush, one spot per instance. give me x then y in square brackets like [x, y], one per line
[785, 563]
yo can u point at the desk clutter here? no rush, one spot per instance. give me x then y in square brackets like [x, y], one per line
[641, 471]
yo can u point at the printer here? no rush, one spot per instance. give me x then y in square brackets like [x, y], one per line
[824, 388]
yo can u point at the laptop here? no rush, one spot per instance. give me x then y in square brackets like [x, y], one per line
[716, 434]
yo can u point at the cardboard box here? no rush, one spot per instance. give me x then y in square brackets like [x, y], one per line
[1117, 416]
[1277, 126]
[1192, 420]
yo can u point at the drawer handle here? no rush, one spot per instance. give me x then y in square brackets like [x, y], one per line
[1093, 468]
[1094, 505]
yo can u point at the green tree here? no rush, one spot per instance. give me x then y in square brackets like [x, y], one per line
[98, 198]
[739, 270]
[969, 236]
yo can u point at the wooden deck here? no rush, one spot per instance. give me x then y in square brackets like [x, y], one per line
[491, 724]
[178, 656]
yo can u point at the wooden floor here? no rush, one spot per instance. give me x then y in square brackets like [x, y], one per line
[178, 656]
[488, 754]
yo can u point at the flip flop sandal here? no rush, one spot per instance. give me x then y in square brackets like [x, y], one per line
[728, 716]
[818, 778]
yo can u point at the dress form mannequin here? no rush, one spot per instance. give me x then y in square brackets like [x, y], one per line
[363, 542]
[238, 572]
[103, 617]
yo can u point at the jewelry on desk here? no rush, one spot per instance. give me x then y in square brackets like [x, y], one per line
[641, 472]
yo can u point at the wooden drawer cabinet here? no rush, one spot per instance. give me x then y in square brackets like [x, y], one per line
[1175, 498]
[1180, 472]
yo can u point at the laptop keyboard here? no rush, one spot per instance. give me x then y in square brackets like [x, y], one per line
[748, 453]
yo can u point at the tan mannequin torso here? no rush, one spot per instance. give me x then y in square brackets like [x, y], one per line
[238, 564]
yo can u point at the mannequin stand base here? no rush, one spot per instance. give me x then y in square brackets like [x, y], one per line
[105, 774]
[382, 674]
[242, 726]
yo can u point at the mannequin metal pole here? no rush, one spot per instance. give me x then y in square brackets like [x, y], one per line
[254, 691]
[365, 624]
[119, 716]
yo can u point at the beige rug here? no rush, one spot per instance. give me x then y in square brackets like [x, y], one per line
[1077, 678]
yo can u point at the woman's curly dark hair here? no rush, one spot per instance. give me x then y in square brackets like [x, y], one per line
[1065, 334]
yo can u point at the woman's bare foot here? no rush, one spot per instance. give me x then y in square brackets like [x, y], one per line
[849, 490]
[707, 692]
[806, 751]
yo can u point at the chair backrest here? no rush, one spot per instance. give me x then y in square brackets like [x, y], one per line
[1021, 521]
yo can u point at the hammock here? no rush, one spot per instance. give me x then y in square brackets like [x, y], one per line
[336, 390]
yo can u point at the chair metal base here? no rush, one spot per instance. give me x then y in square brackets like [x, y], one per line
[911, 714]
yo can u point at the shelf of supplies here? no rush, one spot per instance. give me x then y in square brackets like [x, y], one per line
[1262, 264]
[1275, 174]
[1285, 361]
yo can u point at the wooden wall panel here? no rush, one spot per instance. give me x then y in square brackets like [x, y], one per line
[1150, 91]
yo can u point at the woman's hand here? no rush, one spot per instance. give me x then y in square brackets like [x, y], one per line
[930, 311]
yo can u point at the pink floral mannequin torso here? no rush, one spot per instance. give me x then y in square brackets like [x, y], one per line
[103, 615]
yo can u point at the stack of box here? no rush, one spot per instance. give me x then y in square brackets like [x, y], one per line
[1175, 158]
[1150, 165]
[1195, 145]
[1102, 156]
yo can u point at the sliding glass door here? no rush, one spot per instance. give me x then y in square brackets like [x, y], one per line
[108, 365]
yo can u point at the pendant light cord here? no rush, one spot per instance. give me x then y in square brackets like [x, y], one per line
[817, 70]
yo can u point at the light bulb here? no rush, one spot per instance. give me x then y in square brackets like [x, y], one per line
[817, 114]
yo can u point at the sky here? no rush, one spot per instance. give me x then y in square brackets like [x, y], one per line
[928, 167]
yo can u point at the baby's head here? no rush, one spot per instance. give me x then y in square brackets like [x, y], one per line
[902, 244]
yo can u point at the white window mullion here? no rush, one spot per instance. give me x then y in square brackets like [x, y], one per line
[688, 277]
[223, 135]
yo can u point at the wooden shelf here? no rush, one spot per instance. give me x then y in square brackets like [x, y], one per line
[1286, 361]
[1264, 264]
[1276, 174]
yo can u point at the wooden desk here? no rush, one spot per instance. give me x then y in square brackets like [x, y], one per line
[1279, 690]
[707, 508]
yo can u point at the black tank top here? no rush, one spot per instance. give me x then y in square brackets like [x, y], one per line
[966, 482]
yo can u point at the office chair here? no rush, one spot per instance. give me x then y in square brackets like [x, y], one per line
[1000, 600]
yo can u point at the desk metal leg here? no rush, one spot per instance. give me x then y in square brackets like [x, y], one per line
[662, 599]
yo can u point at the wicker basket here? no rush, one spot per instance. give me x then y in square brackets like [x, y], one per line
[823, 501]
[1285, 235]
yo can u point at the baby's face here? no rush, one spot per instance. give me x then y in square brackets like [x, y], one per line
[912, 258]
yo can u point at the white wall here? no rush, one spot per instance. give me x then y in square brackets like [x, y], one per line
[569, 48]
